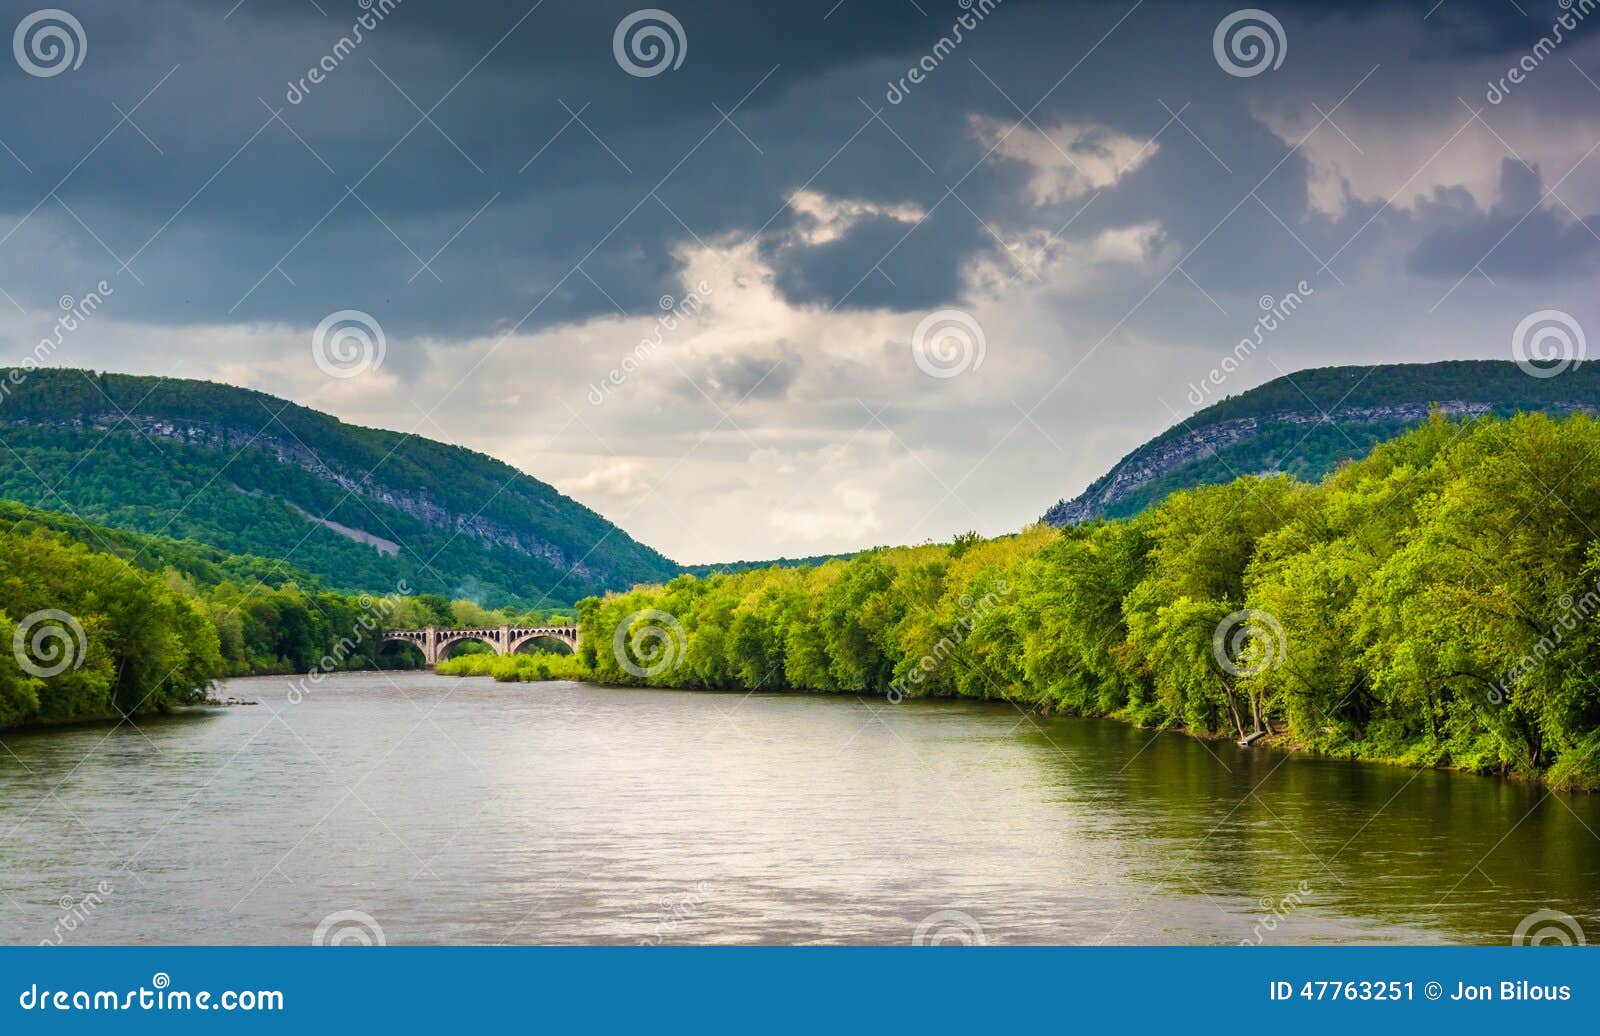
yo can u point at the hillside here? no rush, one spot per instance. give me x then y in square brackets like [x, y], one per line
[358, 508]
[203, 566]
[1309, 422]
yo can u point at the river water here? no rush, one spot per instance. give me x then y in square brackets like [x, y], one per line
[444, 810]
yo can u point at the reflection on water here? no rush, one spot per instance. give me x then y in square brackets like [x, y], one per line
[465, 811]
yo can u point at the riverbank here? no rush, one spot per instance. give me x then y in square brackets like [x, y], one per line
[538, 668]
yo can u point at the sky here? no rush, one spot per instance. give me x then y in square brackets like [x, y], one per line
[758, 280]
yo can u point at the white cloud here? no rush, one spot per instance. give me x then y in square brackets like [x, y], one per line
[1445, 136]
[1068, 159]
[617, 479]
[842, 513]
[825, 219]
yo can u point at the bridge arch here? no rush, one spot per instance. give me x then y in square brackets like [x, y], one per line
[450, 640]
[520, 637]
[401, 653]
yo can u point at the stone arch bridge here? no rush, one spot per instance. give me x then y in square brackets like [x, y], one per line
[435, 643]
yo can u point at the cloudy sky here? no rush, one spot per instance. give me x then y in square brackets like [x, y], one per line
[741, 280]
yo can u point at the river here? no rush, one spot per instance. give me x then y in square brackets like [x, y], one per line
[464, 811]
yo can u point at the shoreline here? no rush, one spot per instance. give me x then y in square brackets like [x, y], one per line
[1278, 743]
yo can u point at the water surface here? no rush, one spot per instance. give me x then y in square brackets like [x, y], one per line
[465, 811]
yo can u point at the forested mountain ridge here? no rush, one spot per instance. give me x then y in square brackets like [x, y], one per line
[252, 474]
[1307, 423]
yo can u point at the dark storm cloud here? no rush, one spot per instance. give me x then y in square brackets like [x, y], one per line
[548, 185]
[1516, 237]
[881, 261]
[759, 375]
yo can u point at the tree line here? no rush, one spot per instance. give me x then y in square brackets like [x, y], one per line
[98, 623]
[1432, 604]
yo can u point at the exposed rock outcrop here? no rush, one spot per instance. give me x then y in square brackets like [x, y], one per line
[1195, 442]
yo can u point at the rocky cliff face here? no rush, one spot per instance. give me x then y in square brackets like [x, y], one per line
[1171, 452]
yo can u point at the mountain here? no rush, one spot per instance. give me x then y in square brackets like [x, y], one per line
[361, 509]
[1309, 422]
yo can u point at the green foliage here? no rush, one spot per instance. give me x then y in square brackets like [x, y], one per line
[162, 619]
[526, 668]
[245, 473]
[1436, 603]
[123, 642]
